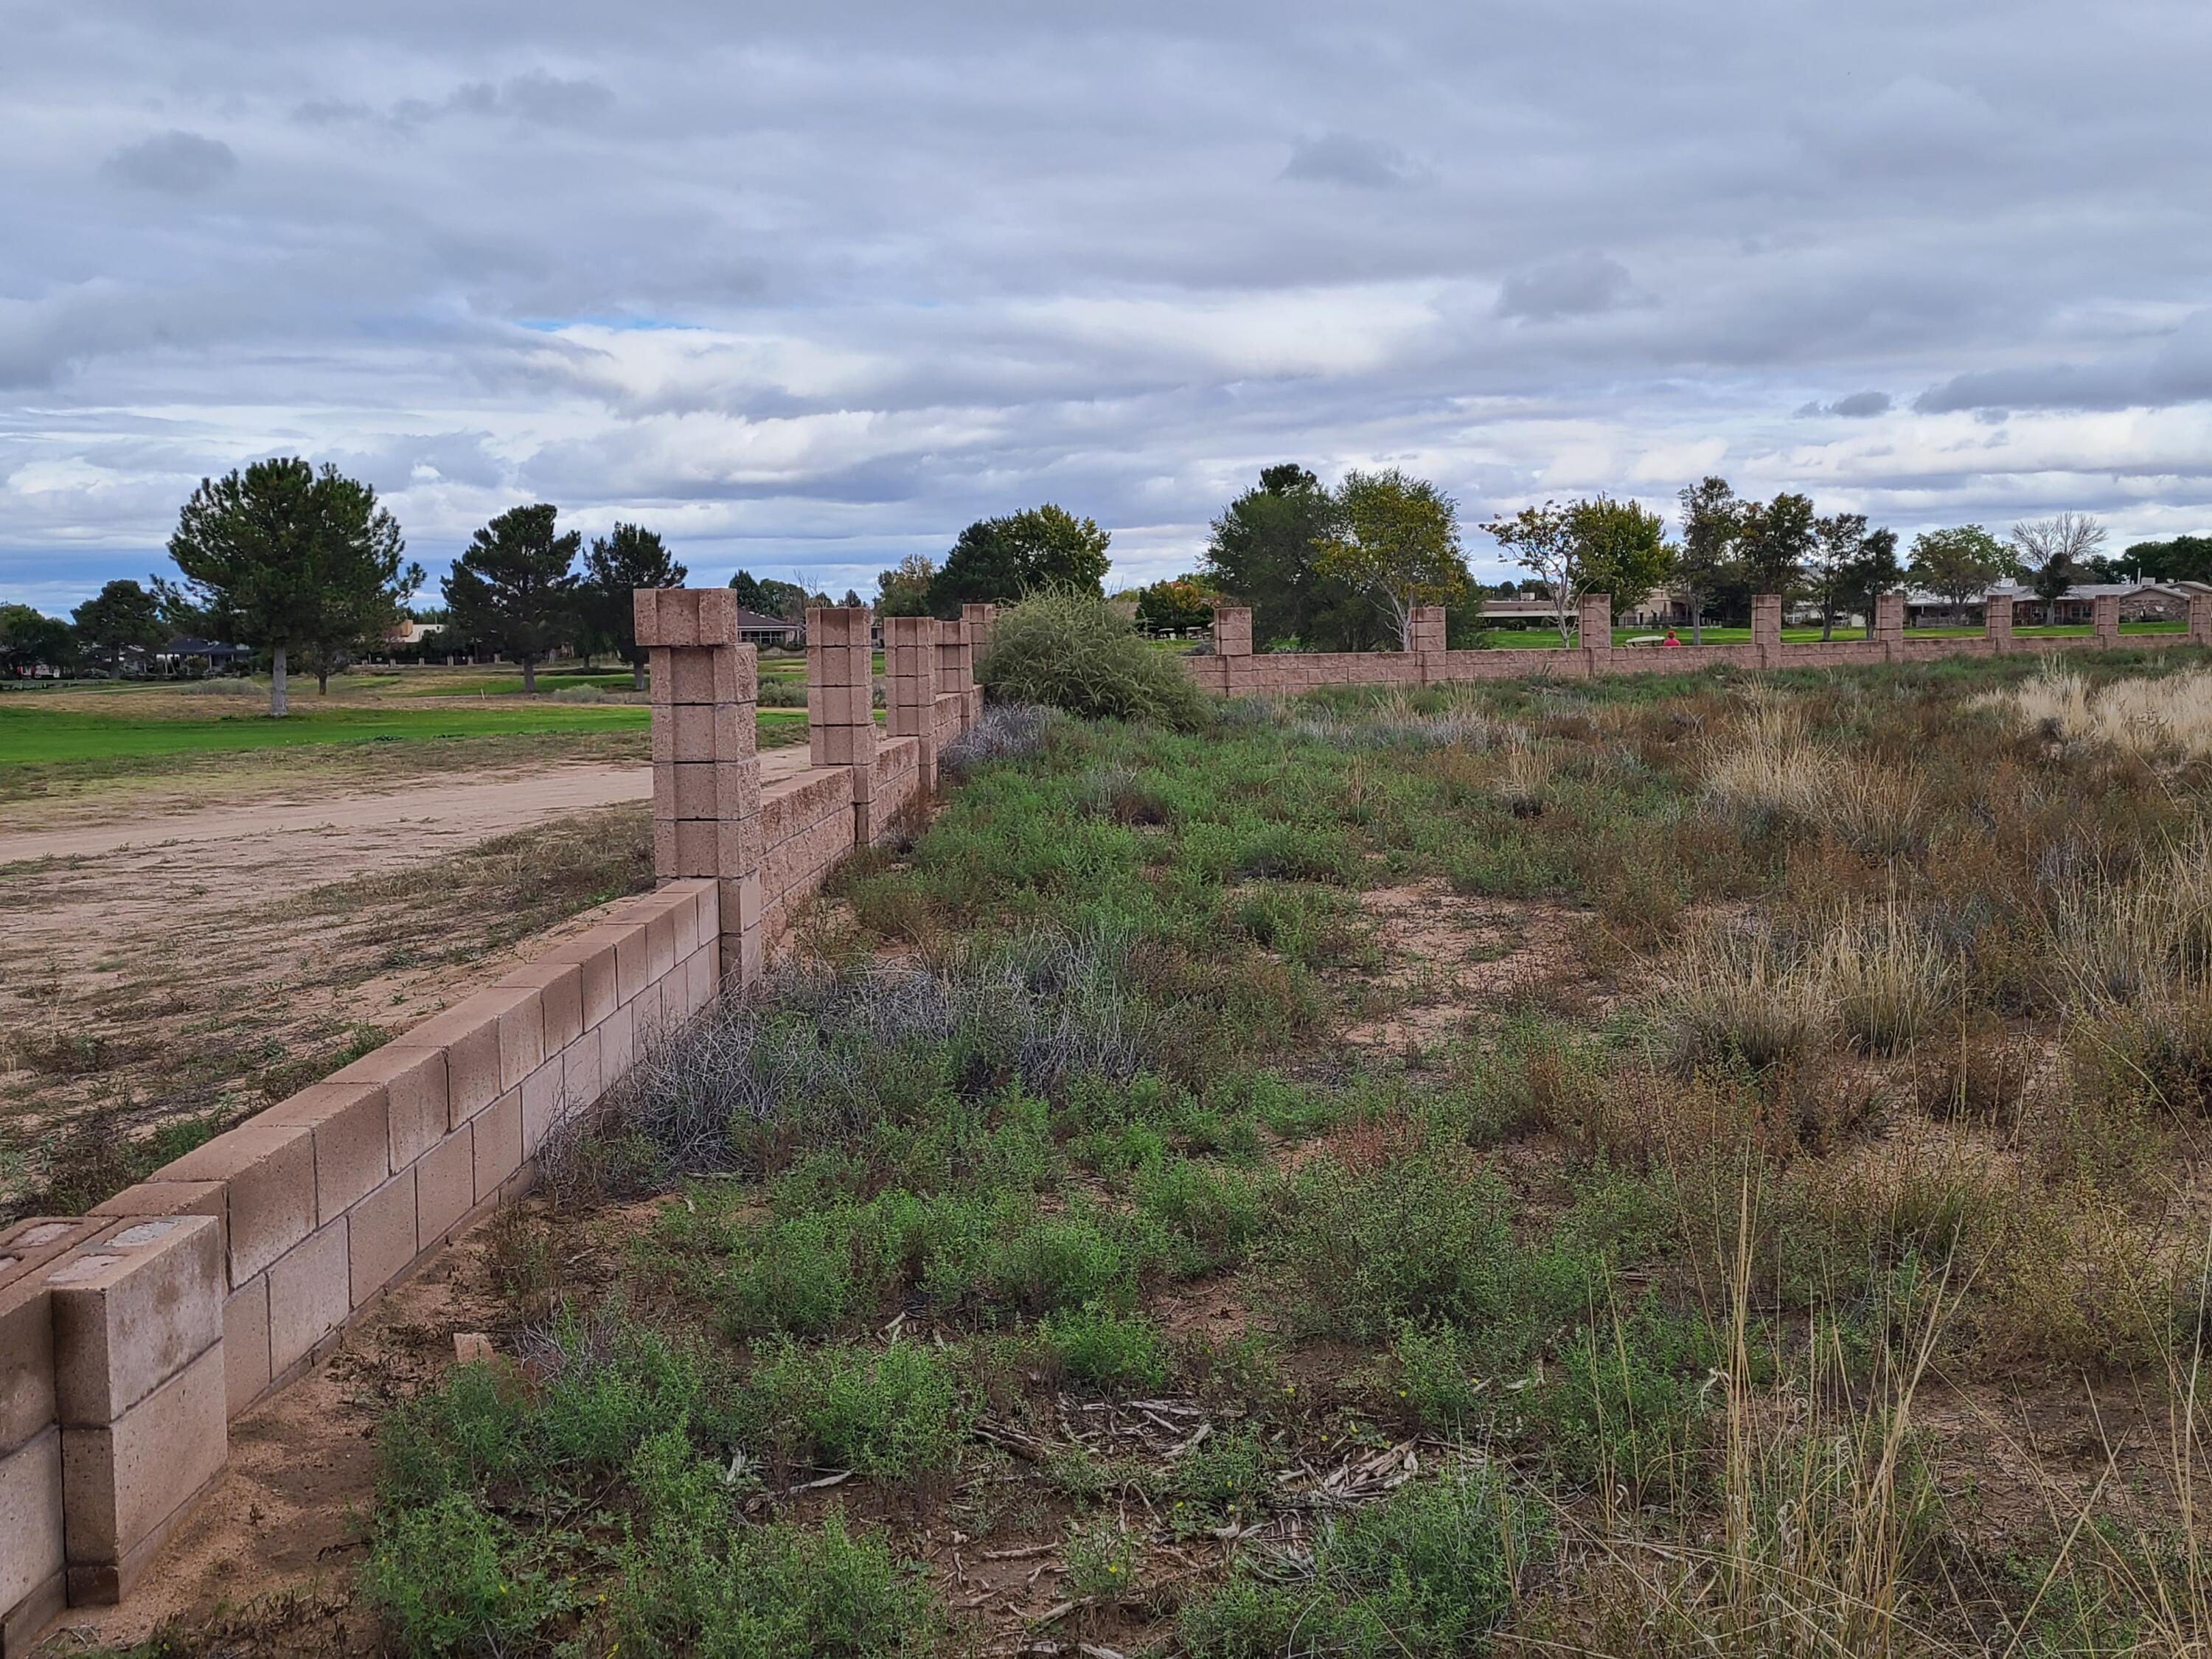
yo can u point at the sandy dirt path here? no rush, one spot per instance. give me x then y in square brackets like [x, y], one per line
[437, 816]
[185, 962]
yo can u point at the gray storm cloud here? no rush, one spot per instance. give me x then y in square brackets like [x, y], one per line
[811, 288]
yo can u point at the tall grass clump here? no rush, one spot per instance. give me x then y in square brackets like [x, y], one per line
[1078, 653]
[2166, 716]
[1886, 980]
[1746, 996]
[1008, 730]
[1770, 777]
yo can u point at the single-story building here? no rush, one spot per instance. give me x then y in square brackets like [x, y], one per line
[753, 629]
[2139, 602]
[184, 651]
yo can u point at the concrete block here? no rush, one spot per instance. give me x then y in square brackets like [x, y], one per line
[445, 1184]
[268, 1174]
[124, 1483]
[26, 1359]
[739, 846]
[718, 617]
[691, 678]
[30, 1553]
[543, 1102]
[310, 1294]
[739, 901]
[468, 1034]
[381, 1235]
[26, 1244]
[695, 848]
[660, 944]
[630, 959]
[666, 795]
[560, 988]
[594, 957]
[353, 1140]
[618, 1042]
[645, 616]
[497, 1134]
[664, 865]
[660, 681]
[691, 790]
[415, 1098]
[737, 788]
[733, 678]
[149, 1198]
[132, 1311]
[583, 1077]
[693, 728]
[246, 1370]
[699, 977]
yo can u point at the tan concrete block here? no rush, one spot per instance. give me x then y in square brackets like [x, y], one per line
[246, 1370]
[30, 1517]
[737, 788]
[683, 916]
[582, 1079]
[735, 736]
[695, 848]
[445, 1184]
[666, 795]
[630, 959]
[268, 1173]
[646, 1005]
[645, 616]
[309, 1295]
[468, 1034]
[560, 988]
[148, 1198]
[25, 1245]
[132, 1311]
[618, 1042]
[417, 1100]
[353, 1140]
[692, 679]
[27, 1360]
[739, 901]
[739, 846]
[660, 681]
[693, 725]
[665, 865]
[718, 617]
[121, 1481]
[692, 788]
[498, 1149]
[706, 903]
[543, 1102]
[660, 944]
[382, 1235]
[750, 954]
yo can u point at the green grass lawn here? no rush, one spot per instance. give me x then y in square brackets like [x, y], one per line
[31, 733]
[1534, 639]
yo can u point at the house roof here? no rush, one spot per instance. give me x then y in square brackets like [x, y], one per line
[2021, 590]
[751, 622]
[185, 646]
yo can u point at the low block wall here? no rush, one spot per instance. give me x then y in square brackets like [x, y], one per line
[130, 1337]
[1235, 670]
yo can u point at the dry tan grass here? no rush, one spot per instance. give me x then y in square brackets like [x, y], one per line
[2169, 717]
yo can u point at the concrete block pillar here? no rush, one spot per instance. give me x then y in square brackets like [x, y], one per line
[1594, 632]
[841, 703]
[2105, 612]
[1232, 644]
[956, 672]
[1996, 621]
[1766, 628]
[980, 620]
[706, 767]
[910, 687]
[2200, 619]
[1428, 642]
[138, 1391]
[1889, 625]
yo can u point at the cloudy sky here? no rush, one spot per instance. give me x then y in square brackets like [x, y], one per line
[809, 287]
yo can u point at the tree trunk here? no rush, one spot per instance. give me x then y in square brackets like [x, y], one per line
[1828, 621]
[637, 676]
[529, 676]
[1696, 620]
[322, 680]
[277, 709]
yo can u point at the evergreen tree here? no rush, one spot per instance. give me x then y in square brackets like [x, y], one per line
[616, 565]
[513, 589]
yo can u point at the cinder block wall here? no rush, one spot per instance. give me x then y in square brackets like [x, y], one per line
[130, 1337]
[1233, 669]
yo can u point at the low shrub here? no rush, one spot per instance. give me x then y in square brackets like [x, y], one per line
[1432, 1569]
[899, 1412]
[447, 1577]
[1074, 652]
[1106, 1349]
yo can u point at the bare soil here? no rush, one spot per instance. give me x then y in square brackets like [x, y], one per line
[194, 967]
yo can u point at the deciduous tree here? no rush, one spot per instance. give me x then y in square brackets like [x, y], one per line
[1620, 548]
[514, 589]
[287, 557]
[1264, 551]
[1542, 540]
[1776, 544]
[903, 590]
[1837, 540]
[1176, 605]
[997, 561]
[31, 639]
[1398, 544]
[1712, 523]
[1957, 564]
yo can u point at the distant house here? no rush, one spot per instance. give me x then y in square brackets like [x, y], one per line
[2139, 602]
[1518, 613]
[213, 656]
[753, 629]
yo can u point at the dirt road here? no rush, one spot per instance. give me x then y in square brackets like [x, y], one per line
[184, 963]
